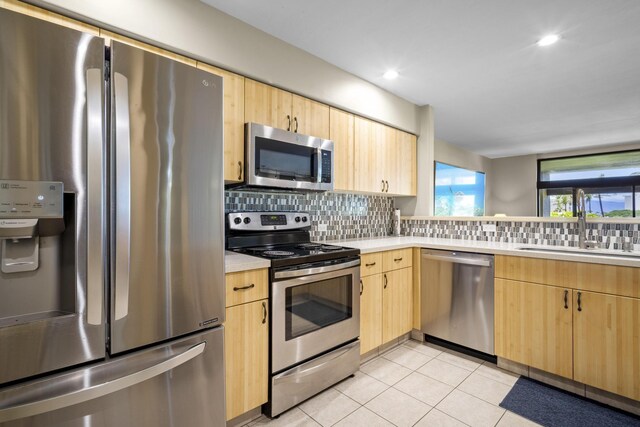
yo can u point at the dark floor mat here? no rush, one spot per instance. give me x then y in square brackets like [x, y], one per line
[552, 407]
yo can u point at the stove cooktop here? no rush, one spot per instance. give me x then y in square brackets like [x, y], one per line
[290, 254]
[282, 237]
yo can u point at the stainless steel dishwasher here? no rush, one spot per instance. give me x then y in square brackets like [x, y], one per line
[457, 298]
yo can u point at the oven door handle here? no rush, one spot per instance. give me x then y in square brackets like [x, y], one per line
[315, 270]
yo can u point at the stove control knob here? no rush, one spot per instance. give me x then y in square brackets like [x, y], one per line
[247, 220]
[237, 220]
[304, 219]
[297, 219]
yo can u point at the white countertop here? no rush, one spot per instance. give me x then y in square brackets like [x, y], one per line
[235, 262]
[496, 248]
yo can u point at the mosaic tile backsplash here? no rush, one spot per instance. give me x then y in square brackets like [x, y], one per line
[608, 235]
[352, 216]
[346, 216]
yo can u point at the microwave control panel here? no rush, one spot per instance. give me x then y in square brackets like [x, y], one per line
[326, 166]
[31, 199]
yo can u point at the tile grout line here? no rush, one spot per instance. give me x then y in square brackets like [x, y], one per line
[358, 403]
[500, 419]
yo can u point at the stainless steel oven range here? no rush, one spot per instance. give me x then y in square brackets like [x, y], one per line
[315, 304]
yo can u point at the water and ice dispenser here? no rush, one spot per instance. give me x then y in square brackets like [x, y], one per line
[32, 222]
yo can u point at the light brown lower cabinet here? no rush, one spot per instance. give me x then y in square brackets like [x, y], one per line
[590, 337]
[386, 300]
[606, 333]
[533, 327]
[397, 289]
[370, 312]
[246, 350]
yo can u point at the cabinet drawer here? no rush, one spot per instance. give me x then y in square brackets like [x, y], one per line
[247, 286]
[607, 279]
[370, 264]
[394, 260]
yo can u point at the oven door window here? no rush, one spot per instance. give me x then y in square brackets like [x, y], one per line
[281, 160]
[317, 305]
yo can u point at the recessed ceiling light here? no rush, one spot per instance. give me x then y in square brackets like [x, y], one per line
[390, 75]
[548, 40]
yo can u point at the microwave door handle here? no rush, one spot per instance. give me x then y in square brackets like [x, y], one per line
[123, 195]
[95, 199]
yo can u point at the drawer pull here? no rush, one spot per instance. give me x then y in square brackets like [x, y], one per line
[264, 312]
[243, 288]
[239, 171]
[386, 281]
[370, 264]
[361, 287]
[566, 298]
[397, 259]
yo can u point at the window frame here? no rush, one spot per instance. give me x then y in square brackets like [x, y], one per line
[484, 199]
[632, 181]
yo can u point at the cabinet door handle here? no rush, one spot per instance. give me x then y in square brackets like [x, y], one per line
[242, 288]
[566, 298]
[386, 186]
[370, 264]
[386, 281]
[579, 301]
[295, 122]
[397, 259]
[239, 171]
[382, 186]
[361, 287]
[289, 120]
[264, 312]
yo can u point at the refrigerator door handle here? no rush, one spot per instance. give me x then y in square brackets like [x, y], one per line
[28, 408]
[95, 197]
[123, 195]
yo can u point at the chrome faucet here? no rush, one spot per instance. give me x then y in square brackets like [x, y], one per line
[582, 220]
[581, 209]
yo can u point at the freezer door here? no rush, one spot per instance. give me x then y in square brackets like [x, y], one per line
[52, 136]
[172, 385]
[167, 195]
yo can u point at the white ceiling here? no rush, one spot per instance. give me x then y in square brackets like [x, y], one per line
[493, 90]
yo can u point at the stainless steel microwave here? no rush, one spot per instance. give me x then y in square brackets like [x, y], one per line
[277, 158]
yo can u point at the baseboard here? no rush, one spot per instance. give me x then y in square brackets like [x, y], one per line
[575, 387]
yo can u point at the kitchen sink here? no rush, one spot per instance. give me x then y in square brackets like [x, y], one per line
[589, 252]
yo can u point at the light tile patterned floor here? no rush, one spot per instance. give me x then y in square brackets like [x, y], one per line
[414, 384]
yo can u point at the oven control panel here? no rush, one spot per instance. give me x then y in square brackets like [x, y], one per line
[265, 221]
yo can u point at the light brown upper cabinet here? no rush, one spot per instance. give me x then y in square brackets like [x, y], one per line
[45, 15]
[310, 117]
[369, 156]
[385, 159]
[277, 108]
[109, 36]
[233, 122]
[341, 133]
[405, 180]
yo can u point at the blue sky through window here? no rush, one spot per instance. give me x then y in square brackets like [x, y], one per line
[458, 191]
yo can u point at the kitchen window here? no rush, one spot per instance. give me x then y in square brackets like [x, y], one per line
[458, 191]
[611, 182]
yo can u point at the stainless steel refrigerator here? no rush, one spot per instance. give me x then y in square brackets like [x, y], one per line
[111, 233]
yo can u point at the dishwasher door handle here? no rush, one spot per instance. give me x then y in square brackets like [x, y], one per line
[459, 260]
